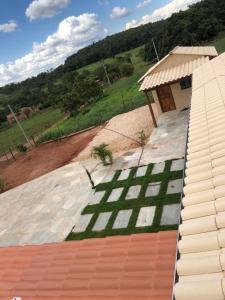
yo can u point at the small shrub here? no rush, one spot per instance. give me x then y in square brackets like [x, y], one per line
[126, 69]
[51, 135]
[142, 137]
[74, 113]
[105, 155]
[21, 148]
[85, 110]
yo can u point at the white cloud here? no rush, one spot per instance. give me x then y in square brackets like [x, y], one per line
[73, 34]
[143, 3]
[41, 9]
[119, 12]
[162, 13]
[9, 26]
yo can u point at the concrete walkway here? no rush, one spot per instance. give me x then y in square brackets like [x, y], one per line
[46, 209]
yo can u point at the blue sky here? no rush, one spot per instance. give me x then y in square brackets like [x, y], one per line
[36, 35]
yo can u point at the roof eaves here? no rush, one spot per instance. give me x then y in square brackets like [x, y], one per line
[153, 67]
[201, 265]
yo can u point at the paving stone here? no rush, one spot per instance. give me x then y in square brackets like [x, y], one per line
[122, 219]
[170, 214]
[96, 198]
[141, 171]
[174, 186]
[83, 223]
[158, 168]
[124, 174]
[146, 216]
[177, 165]
[153, 189]
[133, 192]
[102, 221]
[115, 195]
[108, 177]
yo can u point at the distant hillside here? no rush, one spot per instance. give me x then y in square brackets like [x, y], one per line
[197, 25]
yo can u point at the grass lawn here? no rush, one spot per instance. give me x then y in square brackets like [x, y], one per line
[121, 97]
[135, 204]
[34, 126]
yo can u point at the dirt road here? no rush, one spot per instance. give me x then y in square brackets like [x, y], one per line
[45, 158]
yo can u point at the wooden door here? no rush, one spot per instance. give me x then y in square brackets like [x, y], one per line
[166, 98]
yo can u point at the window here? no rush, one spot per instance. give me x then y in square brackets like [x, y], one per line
[185, 83]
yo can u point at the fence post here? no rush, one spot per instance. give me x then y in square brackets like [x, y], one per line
[12, 153]
[32, 137]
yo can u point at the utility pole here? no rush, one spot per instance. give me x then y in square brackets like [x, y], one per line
[19, 125]
[106, 73]
[155, 49]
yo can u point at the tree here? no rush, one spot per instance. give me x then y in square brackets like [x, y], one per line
[87, 88]
[126, 69]
[70, 102]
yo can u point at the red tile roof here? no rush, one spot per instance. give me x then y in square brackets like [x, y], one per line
[135, 267]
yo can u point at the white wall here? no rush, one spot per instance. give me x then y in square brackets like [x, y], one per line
[182, 98]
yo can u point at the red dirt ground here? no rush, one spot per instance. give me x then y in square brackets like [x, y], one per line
[44, 158]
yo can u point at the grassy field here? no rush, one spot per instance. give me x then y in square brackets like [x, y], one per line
[34, 126]
[120, 97]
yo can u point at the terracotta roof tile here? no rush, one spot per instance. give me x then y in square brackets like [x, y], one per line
[179, 70]
[114, 268]
[172, 74]
[201, 266]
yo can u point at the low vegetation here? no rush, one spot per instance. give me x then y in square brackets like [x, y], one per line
[103, 154]
[100, 81]
[21, 148]
[142, 137]
[2, 185]
[195, 26]
[12, 136]
[119, 97]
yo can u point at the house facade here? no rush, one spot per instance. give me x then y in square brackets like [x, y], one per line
[170, 80]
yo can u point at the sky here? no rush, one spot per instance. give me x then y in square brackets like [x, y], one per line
[37, 35]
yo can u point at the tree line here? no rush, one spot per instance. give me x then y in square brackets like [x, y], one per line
[201, 23]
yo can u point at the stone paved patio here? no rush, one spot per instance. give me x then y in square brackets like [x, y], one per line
[153, 189]
[115, 195]
[133, 192]
[122, 219]
[47, 208]
[146, 216]
[102, 221]
[150, 203]
[170, 214]
[175, 186]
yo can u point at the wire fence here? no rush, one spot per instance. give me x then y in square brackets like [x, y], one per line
[91, 118]
[12, 138]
